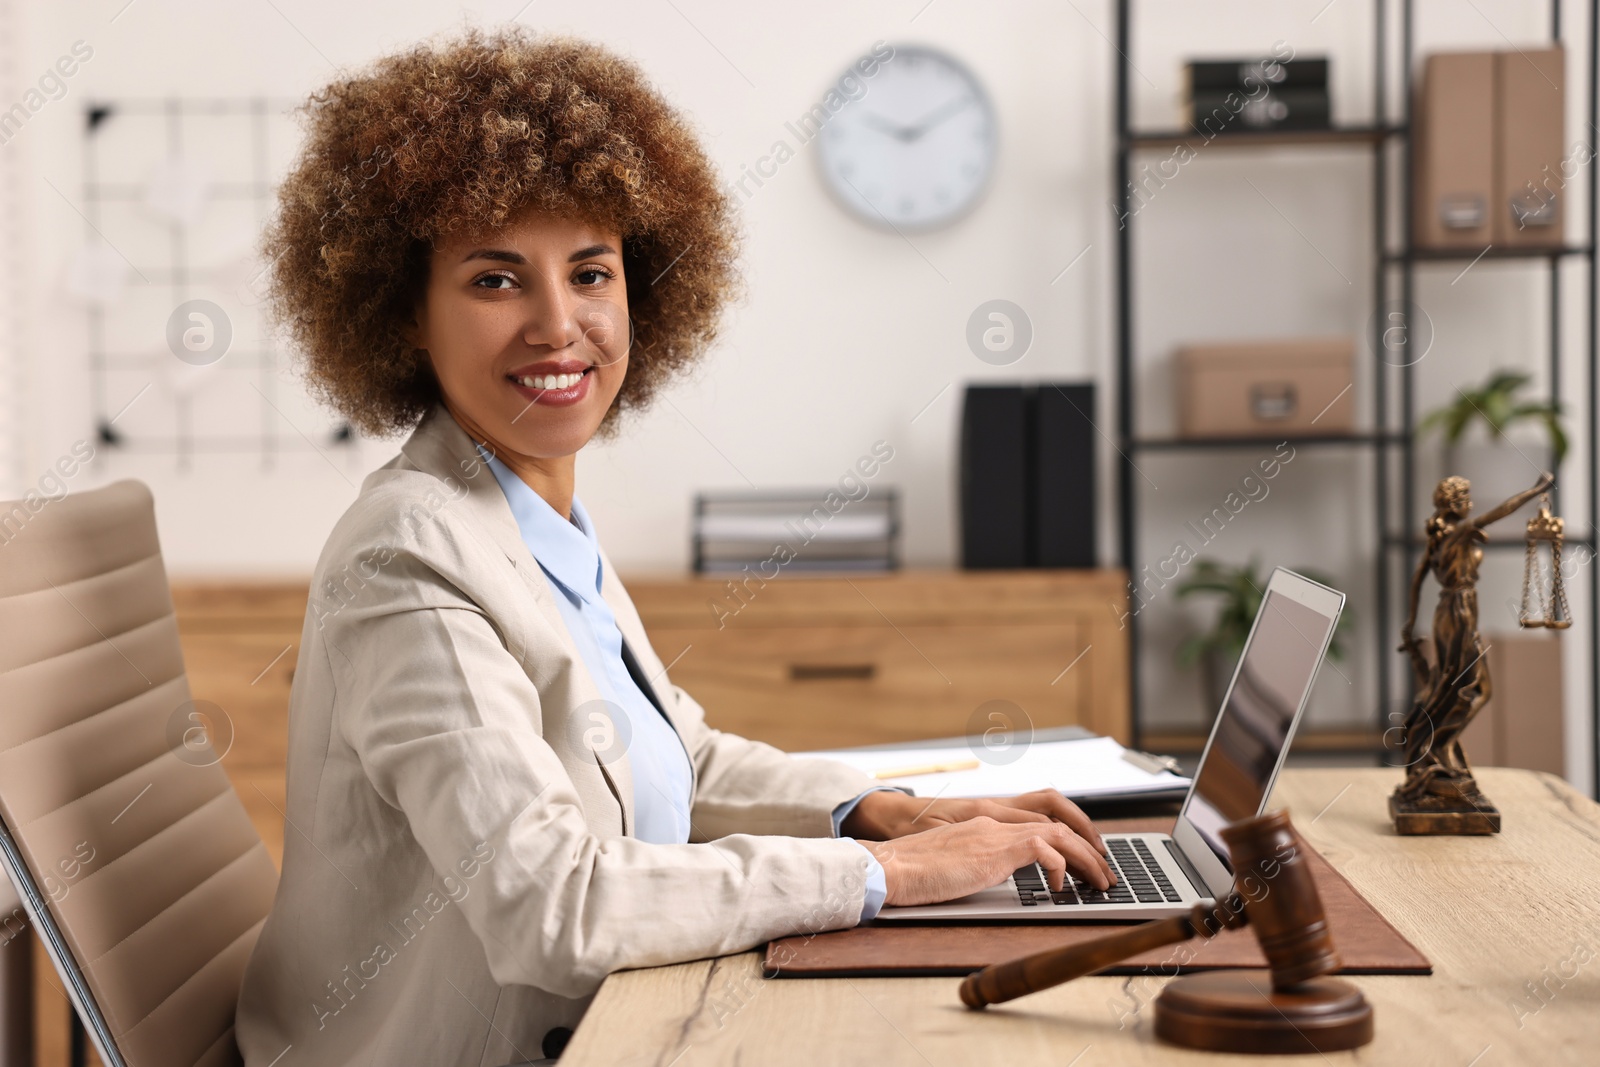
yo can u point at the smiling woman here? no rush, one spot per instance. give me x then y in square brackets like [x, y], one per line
[502, 243]
[449, 144]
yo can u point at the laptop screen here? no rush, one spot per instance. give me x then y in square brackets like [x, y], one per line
[1280, 661]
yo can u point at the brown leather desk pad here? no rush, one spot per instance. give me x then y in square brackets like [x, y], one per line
[1366, 942]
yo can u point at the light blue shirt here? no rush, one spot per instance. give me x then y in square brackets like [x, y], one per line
[569, 554]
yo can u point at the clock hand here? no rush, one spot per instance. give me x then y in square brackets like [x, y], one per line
[928, 122]
[900, 133]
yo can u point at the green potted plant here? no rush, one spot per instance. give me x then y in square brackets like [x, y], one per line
[1495, 470]
[1239, 590]
[1496, 405]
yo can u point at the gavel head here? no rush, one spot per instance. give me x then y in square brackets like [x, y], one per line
[1272, 878]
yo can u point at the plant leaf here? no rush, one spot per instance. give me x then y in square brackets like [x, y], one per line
[1558, 437]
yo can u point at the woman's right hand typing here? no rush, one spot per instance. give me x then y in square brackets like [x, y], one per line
[955, 859]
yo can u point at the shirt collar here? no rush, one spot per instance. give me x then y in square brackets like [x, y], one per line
[567, 550]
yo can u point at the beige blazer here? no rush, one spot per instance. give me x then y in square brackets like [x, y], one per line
[458, 870]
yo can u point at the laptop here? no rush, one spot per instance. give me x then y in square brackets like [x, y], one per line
[1160, 875]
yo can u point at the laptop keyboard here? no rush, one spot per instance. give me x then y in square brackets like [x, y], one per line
[1139, 880]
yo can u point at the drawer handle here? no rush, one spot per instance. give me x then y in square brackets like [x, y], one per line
[818, 672]
[1272, 400]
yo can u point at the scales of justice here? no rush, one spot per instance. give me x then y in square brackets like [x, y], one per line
[1440, 794]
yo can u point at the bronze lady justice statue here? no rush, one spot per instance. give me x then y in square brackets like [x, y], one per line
[1439, 794]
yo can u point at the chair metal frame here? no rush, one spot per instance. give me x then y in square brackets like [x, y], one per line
[37, 908]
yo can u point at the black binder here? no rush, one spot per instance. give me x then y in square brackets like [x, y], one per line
[994, 477]
[1064, 512]
[1027, 472]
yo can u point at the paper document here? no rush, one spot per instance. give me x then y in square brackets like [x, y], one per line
[1083, 768]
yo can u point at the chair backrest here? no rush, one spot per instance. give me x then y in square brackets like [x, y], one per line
[150, 884]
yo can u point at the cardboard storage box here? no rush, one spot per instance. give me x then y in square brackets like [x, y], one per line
[1523, 724]
[1531, 182]
[1267, 389]
[1453, 152]
[1487, 150]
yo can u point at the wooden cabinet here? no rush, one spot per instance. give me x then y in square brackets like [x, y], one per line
[797, 662]
[826, 662]
[240, 644]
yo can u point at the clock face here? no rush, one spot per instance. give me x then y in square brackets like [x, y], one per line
[915, 151]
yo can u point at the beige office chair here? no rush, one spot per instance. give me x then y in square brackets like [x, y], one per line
[136, 862]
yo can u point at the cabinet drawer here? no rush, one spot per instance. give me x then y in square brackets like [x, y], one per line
[231, 670]
[801, 687]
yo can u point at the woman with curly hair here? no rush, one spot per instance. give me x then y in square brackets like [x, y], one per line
[496, 795]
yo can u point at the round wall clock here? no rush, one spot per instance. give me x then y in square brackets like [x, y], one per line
[915, 150]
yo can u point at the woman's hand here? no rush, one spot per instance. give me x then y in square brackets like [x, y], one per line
[937, 850]
[958, 858]
[887, 814]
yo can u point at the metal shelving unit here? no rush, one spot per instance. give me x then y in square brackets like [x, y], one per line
[1391, 439]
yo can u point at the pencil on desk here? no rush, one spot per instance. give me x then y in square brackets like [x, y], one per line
[926, 768]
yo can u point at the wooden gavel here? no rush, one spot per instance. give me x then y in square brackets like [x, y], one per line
[1287, 918]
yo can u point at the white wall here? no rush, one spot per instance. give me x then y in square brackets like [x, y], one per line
[832, 300]
[14, 173]
[829, 298]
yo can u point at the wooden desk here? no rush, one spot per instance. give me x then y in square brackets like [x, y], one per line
[1498, 916]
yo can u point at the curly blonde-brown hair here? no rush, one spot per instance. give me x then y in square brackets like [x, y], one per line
[458, 137]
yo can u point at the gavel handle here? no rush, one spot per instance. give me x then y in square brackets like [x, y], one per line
[1029, 974]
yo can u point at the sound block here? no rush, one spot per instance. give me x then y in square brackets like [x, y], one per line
[1432, 813]
[1239, 1011]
